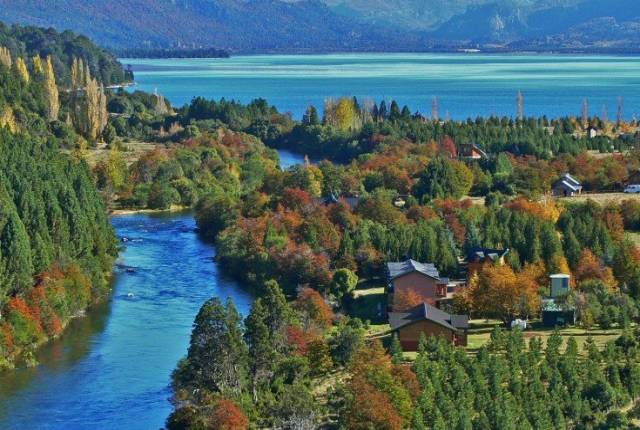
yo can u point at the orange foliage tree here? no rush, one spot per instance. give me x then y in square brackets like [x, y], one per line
[228, 416]
[497, 291]
[313, 308]
[406, 299]
[376, 394]
[589, 268]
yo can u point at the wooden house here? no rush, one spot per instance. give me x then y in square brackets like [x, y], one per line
[419, 281]
[567, 186]
[431, 321]
[471, 151]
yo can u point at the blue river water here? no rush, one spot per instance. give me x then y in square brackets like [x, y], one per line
[467, 85]
[111, 369]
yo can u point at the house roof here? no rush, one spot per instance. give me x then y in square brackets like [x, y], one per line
[398, 269]
[568, 181]
[479, 253]
[352, 202]
[559, 275]
[427, 312]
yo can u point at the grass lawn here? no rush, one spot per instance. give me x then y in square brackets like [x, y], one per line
[480, 332]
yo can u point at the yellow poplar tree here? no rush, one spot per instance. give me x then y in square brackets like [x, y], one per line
[8, 119]
[51, 91]
[345, 114]
[91, 110]
[5, 56]
[37, 65]
[22, 70]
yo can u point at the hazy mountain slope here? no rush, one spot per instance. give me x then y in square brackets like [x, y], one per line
[338, 25]
[508, 21]
[261, 25]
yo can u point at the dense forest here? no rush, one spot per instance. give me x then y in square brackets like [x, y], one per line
[56, 242]
[306, 237]
[27, 42]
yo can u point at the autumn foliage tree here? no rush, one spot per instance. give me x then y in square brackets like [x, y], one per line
[376, 398]
[498, 292]
[228, 416]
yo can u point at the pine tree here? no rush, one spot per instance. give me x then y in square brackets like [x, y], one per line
[262, 351]
[217, 356]
[397, 356]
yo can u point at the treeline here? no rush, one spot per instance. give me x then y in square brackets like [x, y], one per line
[27, 42]
[172, 53]
[56, 242]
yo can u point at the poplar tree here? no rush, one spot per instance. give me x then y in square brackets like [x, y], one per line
[23, 72]
[51, 91]
[8, 119]
[5, 57]
[37, 65]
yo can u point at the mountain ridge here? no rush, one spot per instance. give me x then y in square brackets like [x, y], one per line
[300, 26]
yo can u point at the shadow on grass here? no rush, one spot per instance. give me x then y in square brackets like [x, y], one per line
[369, 307]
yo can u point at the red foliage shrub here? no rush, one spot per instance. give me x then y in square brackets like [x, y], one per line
[228, 416]
[297, 340]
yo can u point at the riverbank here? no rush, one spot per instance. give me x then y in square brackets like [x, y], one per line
[26, 356]
[112, 368]
[173, 209]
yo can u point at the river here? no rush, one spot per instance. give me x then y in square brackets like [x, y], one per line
[111, 369]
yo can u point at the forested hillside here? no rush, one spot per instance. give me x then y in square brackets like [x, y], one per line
[63, 47]
[262, 25]
[56, 242]
[341, 25]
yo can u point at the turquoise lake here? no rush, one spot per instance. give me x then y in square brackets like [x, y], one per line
[467, 85]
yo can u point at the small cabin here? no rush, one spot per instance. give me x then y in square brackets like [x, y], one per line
[471, 151]
[555, 314]
[567, 186]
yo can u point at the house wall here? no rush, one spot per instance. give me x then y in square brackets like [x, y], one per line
[409, 335]
[423, 286]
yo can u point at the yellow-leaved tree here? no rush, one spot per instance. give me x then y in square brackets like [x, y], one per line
[8, 119]
[5, 56]
[21, 66]
[37, 65]
[89, 101]
[51, 91]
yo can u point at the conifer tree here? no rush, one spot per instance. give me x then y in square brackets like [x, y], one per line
[397, 356]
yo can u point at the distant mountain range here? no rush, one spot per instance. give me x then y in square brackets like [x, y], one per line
[342, 25]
